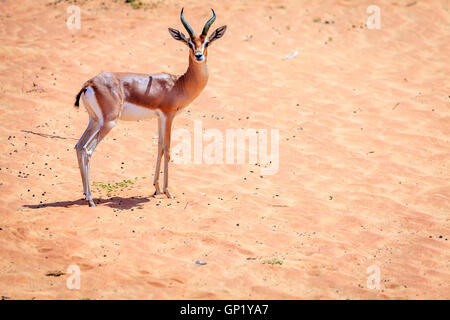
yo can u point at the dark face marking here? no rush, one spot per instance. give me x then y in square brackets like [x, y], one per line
[197, 46]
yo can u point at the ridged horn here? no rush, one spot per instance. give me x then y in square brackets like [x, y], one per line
[209, 23]
[186, 25]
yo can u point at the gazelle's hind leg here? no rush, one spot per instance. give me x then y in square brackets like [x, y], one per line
[96, 131]
[79, 148]
[86, 154]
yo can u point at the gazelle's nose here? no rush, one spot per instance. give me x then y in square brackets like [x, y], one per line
[198, 55]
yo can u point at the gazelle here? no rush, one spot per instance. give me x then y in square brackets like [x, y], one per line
[111, 96]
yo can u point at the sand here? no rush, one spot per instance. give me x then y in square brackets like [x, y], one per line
[363, 181]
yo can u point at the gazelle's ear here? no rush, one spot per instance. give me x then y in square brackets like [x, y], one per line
[177, 35]
[218, 33]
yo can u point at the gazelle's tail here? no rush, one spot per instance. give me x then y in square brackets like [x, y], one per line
[77, 99]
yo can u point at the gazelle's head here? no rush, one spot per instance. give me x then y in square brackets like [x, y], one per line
[198, 45]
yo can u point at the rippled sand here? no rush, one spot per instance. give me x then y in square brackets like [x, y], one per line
[364, 124]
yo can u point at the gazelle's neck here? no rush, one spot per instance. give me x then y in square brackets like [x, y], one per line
[194, 80]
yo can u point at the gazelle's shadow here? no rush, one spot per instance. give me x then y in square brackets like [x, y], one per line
[114, 202]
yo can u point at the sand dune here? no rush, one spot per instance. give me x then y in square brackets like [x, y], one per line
[364, 126]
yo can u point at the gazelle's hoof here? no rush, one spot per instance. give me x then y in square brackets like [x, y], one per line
[157, 190]
[156, 193]
[167, 193]
[91, 203]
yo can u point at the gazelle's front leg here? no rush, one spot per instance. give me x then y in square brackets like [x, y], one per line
[158, 160]
[167, 130]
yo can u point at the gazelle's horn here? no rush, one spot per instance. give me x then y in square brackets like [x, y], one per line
[208, 24]
[186, 25]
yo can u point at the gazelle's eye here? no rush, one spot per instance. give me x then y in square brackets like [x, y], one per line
[190, 45]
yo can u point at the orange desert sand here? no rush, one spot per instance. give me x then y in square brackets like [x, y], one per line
[363, 181]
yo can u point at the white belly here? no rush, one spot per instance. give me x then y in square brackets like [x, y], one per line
[132, 112]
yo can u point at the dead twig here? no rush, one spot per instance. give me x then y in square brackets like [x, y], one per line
[55, 273]
[36, 90]
[45, 135]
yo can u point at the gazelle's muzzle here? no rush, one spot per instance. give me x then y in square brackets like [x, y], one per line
[199, 56]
